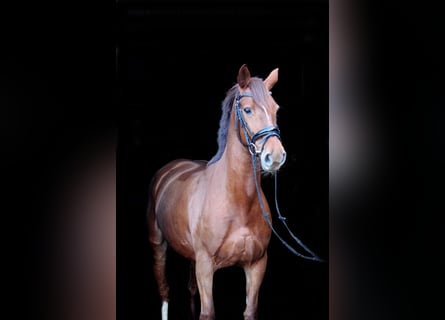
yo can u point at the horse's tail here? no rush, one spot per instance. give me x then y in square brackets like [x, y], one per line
[151, 199]
[154, 233]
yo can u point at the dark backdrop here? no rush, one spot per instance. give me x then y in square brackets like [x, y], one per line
[175, 64]
[57, 69]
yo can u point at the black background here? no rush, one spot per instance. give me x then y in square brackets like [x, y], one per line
[58, 73]
[175, 64]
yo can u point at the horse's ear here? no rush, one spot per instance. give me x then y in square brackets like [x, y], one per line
[271, 79]
[243, 77]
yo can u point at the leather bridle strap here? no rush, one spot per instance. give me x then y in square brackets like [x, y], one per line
[250, 137]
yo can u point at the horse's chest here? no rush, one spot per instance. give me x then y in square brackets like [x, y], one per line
[242, 246]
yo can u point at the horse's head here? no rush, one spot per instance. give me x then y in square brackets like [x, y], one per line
[256, 112]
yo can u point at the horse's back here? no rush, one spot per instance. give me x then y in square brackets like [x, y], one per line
[177, 169]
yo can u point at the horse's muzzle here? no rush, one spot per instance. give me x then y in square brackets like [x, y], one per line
[272, 161]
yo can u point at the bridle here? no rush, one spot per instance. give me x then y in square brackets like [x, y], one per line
[251, 139]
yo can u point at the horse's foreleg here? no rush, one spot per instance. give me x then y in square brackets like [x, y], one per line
[254, 276]
[204, 277]
[192, 288]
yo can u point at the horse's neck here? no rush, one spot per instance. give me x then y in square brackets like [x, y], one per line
[238, 170]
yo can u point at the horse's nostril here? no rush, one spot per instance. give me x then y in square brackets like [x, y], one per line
[268, 159]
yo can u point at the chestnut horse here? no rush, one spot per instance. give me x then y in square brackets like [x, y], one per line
[210, 212]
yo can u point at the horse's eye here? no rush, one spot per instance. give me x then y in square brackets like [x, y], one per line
[247, 110]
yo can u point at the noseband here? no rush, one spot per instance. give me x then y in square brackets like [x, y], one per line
[251, 138]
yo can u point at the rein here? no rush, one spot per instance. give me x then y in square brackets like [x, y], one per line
[251, 138]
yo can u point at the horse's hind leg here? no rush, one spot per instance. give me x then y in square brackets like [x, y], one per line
[193, 287]
[159, 246]
[160, 252]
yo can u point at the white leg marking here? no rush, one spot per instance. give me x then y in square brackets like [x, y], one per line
[165, 310]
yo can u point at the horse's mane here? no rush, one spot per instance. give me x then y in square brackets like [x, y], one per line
[259, 93]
